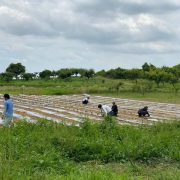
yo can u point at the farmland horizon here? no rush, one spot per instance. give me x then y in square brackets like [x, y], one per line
[28, 69]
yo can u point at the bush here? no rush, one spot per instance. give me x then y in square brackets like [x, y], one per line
[49, 148]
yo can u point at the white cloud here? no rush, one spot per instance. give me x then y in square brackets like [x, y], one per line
[43, 31]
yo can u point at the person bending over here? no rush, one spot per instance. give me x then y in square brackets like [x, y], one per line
[105, 110]
[114, 109]
[85, 100]
[143, 112]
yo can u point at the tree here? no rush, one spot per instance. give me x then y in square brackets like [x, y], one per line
[7, 77]
[152, 67]
[176, 70]
[82, 72]
[101, 73]
[159, 76]
[64, 73]
[134, 74]
[89, 73]
[75, 71]
[45, 74]
[165, 76]
[54, 74]
[28, 76]
[118, 73]
[173, 80]
[153, 75]
[16, 69]
[146, 67]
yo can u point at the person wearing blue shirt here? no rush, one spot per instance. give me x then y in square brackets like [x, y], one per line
[8, 110]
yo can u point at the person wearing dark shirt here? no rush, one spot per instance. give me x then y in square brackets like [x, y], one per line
[114, 109]
[85, 100]
[143, 112]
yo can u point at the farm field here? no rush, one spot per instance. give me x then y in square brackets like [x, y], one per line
[83, 145]
[69, 109]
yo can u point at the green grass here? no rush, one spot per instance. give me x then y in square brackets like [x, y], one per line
[144, 90]
[94, 151]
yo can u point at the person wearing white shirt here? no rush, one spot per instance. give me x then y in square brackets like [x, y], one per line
[105, 110]
[85, 100]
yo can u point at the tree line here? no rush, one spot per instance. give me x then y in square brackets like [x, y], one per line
[18, 71]
[147, 71]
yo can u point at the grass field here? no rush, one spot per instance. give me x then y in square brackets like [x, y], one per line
[143, 90]
[93, 151]
[105, 150]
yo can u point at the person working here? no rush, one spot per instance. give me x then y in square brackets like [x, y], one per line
[105, 110]
[8, 111]
[114, 109]
[143, 111]
[85, 100]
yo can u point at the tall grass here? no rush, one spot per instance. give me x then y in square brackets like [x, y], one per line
[98, 85]
[50, 150]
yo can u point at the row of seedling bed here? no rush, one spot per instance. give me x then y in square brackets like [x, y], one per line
[69, 109]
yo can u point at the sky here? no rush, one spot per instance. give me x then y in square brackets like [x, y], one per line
[98, 34]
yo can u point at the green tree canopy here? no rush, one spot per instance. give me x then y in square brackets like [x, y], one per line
[16, 69]
[28, 76]
[7, 77]
[45, 74]
[146, 67]
[64, 73]
[89, 73]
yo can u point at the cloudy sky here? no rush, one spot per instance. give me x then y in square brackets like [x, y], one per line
[99, 34]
